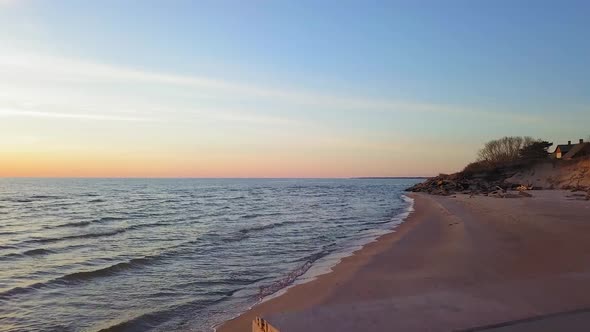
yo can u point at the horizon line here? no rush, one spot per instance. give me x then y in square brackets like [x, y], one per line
[213, 178]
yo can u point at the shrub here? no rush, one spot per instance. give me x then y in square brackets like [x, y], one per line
[476, 167]
[535, 151]
[504, 150]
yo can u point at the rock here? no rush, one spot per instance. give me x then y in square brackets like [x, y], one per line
[460, 183]
[524, 194]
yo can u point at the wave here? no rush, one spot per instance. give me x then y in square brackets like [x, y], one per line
[17, 200]
[148, 199]
[109, 219]
[85, 222]
[30, 253]
[109, 270]
[410, 202]
[243, 233]
[258, 215]
[156, 319]
[230, 237]
[95, 235]
[263, 227]
[202, 195]
[38, 252]
[79, 277]
[342, 218]
[234, 237]
[287, 280]
[83, 276]
[222, 282]
[10, 256]
[387, 221]
[41, 197]
[31, 198]
[72, 224]
[77, 237]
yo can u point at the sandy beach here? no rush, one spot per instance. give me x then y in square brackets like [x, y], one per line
[457, 263]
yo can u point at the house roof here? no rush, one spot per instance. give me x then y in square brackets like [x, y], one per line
[575, 149]
[564, 148]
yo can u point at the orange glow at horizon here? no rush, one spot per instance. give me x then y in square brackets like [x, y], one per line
[30, 164]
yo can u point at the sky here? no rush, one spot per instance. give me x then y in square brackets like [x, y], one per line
[122, 88]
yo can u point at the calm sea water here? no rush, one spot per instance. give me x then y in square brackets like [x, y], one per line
[172, 254]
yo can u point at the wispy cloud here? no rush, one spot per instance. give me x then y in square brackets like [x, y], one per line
[57, 69]
[10, 2]
[42, 114]
[171, 114]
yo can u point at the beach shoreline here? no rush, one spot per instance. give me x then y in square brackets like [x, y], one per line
[327, 263]
[460, 262]
[336, 258]
[344, 268]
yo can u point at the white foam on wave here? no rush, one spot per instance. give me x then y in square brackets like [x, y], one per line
[327, 263]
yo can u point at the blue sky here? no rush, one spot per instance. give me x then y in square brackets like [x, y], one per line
[342, 87]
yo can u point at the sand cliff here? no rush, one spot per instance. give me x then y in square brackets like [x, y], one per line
[562, 174]
[548, 174]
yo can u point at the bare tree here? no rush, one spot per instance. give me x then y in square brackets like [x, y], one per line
[504, 150]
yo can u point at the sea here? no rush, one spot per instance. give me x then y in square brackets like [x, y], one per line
[174, 254]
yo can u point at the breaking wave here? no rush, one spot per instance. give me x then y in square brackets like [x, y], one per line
[288, 279]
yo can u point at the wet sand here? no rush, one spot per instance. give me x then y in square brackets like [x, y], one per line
[457, 263]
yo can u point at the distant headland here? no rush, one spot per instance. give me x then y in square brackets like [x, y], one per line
[389, 177]
[517, 164]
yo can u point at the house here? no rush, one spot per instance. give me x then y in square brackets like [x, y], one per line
[569, 151]
[579, 150]
[562, 149]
